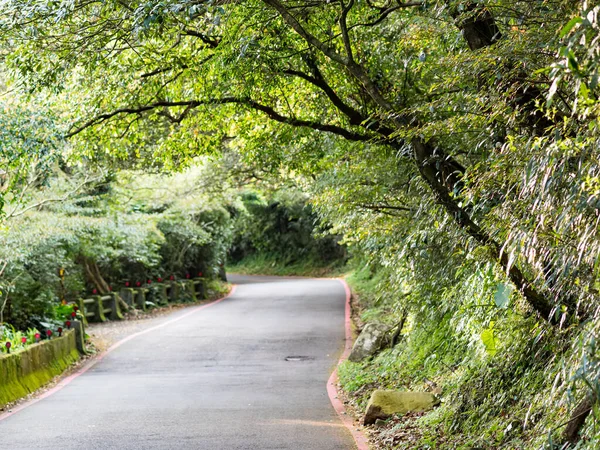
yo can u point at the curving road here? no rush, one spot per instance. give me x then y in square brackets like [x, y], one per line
[215, 379]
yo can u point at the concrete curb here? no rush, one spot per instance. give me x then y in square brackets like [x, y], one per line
[355, 430]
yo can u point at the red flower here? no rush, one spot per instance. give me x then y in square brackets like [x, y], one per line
[138, 284]
[199, 274]
[23, 340]
[73, 314]
[75, 308]
[95, 291]
[127, 284]
[172, 277]
[68, 324]
[159, 279]
[49, 333]
[187, 275]
[149, 282]
[110, 288]
[8, 345]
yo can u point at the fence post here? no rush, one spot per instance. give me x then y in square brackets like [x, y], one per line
[116, 309]
[99, 317]
[79, 328]
[81, 305]
[128, 295]
[161, 294]
[140, 299]
[191, 288]
[174, 293]
[200, 288]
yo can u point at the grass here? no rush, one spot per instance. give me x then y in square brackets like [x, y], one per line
[216, 288]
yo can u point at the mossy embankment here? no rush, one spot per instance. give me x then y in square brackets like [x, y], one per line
[25, 371]
[517, 395]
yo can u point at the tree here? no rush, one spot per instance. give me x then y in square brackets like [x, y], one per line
[443, 87]
[30, 143]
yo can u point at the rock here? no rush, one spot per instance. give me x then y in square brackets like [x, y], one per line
[384, 404]
[370, 341]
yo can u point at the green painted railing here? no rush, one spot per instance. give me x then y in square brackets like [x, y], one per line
[100, 308]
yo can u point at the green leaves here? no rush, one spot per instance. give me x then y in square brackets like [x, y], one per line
[488, 337]
[502, 295]
[569, 26]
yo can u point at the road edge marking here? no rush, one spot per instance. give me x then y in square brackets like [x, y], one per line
[360, 439]
[92, 362]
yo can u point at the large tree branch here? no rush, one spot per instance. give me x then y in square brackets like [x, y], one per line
[209, 41]
[127, 110]
[308, 37]
[384, 208]
[354, 116]
[443, 178]
[385, 13]
[161, 71]
[252, 104]
[344, 29]
[335, 129]
[353, 67]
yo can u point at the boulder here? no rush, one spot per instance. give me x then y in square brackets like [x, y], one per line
[384, 404]
[370, 341]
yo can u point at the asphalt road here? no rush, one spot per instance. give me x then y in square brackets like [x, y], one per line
[216, 379]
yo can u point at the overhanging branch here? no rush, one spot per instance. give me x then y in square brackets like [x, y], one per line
[252, 104]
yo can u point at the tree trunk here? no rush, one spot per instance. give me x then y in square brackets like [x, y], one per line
[578, 417]
[443, 174]
[477, 25]
[480, 30]
[399, 326]
[93, 274]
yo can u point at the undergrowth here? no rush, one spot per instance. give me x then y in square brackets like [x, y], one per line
[518, 395]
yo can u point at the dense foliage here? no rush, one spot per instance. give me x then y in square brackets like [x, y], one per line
[281, 228]
[104, 231]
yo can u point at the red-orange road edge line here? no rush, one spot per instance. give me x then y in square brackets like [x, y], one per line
[65, 381]
[359, 437]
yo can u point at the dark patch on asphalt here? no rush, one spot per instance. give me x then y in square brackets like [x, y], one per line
[299, 358]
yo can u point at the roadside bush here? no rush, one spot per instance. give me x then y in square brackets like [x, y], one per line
[95, 242]
[181, 251]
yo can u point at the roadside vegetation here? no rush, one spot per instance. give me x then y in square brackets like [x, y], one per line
[446, 153]
[70, 234]
[278, 233]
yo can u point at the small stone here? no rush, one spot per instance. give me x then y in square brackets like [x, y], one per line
[370, 341]
[383, 404]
